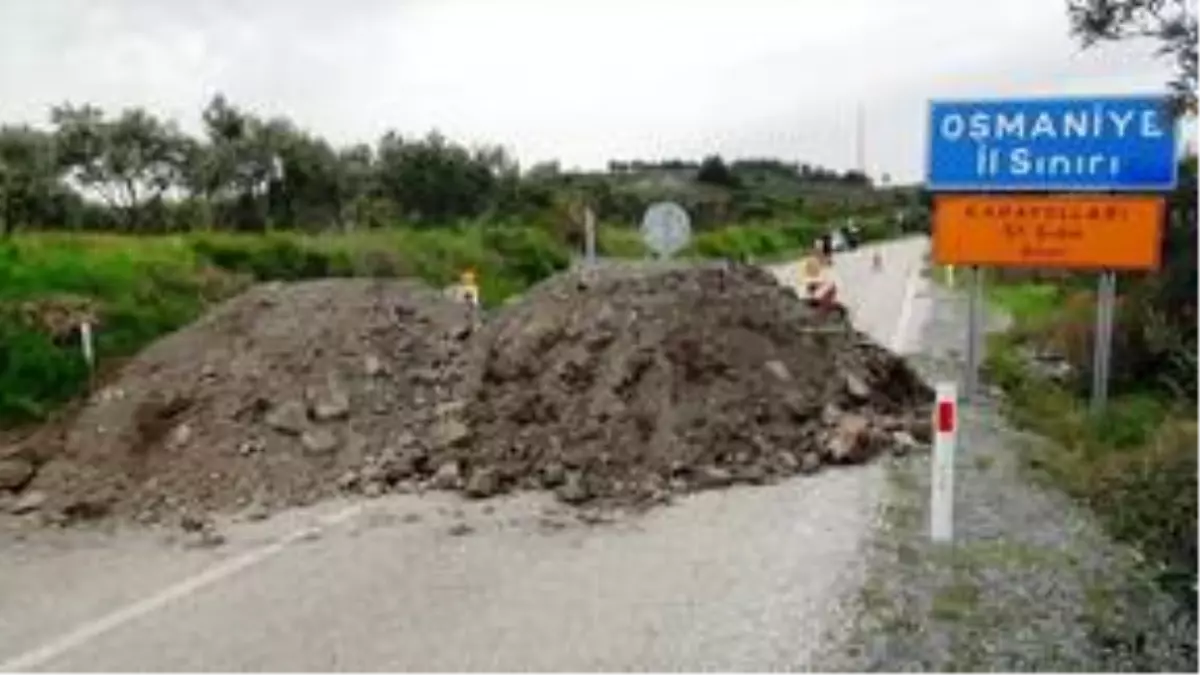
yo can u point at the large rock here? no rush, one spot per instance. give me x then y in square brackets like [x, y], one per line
[27, 503]
[856, 387]
[850, 440]
[289, 417]
[447, 477]
[15, 473]
[484, 482]
[319, 441]
[450, 433]
[331, 403]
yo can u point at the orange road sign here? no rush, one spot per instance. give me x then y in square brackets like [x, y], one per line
[1080, 232]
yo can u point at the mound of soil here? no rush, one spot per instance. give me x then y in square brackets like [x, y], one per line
[618, 385]
[630, 382]
[268, 400]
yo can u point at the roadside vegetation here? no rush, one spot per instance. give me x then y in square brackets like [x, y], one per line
[127, 222]
[1135, 463]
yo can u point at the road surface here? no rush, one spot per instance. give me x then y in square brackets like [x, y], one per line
[741, 579]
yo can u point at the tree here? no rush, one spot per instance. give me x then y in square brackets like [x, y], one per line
[243, 162]
[29, 179]
[129, 162]
[714, 172]
[434, 180]
[1171, 23]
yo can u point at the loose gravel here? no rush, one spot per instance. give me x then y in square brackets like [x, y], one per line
[1031, 581]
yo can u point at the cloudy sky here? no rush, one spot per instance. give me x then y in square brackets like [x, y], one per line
[579, 80]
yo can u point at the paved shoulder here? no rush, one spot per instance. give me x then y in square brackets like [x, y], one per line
[1031, 583]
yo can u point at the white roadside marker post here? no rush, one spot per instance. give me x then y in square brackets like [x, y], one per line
[85, 340]
[945, 440]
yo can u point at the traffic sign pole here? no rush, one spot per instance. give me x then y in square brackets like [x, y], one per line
[975, 315]
[1102, 347]
[589, 226]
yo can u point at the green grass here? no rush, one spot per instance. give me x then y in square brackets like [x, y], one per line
[144, 287]
[1134, 464]
[1030, 304]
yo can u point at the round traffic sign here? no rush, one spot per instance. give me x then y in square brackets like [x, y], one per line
[666, 228]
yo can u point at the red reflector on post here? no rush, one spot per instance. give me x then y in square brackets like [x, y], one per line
[945, 417]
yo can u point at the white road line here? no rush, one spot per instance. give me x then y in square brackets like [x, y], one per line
[87, 632]
[906, 305]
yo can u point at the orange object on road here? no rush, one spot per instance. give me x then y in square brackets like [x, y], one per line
[1077, 232]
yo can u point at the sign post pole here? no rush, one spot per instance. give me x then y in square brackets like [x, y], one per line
[589, 226]
[1102, 347]
[974, 329]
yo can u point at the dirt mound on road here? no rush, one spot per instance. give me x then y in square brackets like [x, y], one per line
[630, 382]
[267, 401]
[616, 385]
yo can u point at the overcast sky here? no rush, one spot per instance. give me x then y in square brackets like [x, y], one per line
[579, 80]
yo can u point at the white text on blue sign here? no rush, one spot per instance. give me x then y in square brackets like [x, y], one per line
[1053, 144]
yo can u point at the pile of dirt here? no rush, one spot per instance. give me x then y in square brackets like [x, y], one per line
[630, 382]
[621, 384]
[266, 402]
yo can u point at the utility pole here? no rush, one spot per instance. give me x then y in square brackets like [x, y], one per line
[860, 143]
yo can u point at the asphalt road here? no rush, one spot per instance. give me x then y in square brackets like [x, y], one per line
[742, 579]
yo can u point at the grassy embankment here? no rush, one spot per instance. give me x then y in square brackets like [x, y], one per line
[1134, 464]
[139, 288]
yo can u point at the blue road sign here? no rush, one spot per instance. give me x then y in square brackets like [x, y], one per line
[1116, 143]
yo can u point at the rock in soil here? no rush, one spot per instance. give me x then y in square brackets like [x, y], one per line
[484, 482]
[849, 440]
[27, 502]
[289, 417]
[319, 441]
[15, 473]
[447, 476]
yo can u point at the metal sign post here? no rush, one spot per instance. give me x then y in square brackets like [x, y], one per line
[1106, 298]
[975, 314]
[589, 227]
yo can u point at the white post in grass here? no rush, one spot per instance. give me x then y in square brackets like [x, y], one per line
[945, 441]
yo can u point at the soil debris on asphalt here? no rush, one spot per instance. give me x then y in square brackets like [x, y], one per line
[267, 399]
[627, 381]
[620, 384]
